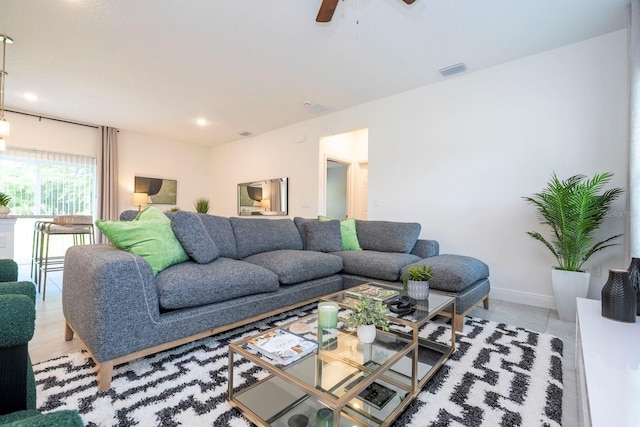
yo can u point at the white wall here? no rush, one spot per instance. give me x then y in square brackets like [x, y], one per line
[141, 155]
[458, 157]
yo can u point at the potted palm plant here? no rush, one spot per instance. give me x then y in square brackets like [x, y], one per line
[574, 209]
[4, 201]
[416, 281]
[366, 315]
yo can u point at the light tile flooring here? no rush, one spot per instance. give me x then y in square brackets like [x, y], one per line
[48, 341]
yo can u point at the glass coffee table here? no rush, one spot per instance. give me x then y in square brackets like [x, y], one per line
[344, 382]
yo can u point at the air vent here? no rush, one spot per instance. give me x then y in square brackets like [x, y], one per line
[245, 133]
[316, 109]
[453, 69]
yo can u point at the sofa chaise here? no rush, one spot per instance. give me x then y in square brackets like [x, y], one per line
[225, 272]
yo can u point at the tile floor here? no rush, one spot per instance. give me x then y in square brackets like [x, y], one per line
[48, 341]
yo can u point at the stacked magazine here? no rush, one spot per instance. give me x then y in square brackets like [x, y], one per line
[282, 346]
[375, 292]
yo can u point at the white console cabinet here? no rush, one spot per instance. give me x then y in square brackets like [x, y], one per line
[607, 368]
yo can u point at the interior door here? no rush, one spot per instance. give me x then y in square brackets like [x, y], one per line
[337, 188]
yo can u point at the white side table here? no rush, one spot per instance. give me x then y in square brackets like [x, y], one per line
[607, 368]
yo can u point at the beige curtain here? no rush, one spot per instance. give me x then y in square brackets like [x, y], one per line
[107, 163]
[634, 133]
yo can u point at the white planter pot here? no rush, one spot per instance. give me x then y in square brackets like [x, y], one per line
[567, 286]
[4, 211]
[418, 289]
[367, 333]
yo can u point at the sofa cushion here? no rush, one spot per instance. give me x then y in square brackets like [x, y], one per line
[256, 235]
[153, 239]
[322, 236]
[375, 265]
[387, 236]
[220, 230]
[454, 272]
[192, 234]
[294, 266]
[348, 233]
[300, 222]
[190, 284]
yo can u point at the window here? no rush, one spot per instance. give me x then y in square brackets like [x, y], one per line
[42, 183]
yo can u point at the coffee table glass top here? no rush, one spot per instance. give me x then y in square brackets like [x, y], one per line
[424, 309]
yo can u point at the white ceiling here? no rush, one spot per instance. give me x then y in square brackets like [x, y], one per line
[155, 66]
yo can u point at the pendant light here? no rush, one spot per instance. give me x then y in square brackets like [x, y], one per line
[4, 124]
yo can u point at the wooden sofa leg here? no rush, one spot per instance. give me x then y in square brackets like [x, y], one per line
[458, 322]
[485, 302]
[105, 372]
[68, 332]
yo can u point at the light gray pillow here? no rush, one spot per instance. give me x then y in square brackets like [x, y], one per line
[193, 236]
[323, 236]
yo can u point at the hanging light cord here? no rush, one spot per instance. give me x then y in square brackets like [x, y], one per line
[4, 48]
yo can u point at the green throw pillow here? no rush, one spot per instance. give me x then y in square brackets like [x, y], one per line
[348, 232]
[151, 212]
[153, 239]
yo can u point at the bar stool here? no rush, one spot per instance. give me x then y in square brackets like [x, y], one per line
[80, 227]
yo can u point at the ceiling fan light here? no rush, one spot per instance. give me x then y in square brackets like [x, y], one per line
[5, 128]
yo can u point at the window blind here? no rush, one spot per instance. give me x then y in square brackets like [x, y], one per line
[43, 183]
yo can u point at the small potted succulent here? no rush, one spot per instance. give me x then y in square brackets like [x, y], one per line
[366, 315]
[201, 205]
[4, 201]
[416, 281]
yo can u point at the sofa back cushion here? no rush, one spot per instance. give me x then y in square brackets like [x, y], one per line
[257, 235]
[190, 231]
[219, 228]
[387, 236]
[322, 236]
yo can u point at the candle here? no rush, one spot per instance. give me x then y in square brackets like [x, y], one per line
[327, 315]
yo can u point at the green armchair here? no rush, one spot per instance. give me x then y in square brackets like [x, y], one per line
[17, 382]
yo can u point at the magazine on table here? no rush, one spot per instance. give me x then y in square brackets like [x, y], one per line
[281, 346]
[375, 292]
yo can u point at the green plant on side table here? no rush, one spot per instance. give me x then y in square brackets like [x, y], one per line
[366, 315]
[201, 205]
[574, 209]
[416, 281]
[4, 201]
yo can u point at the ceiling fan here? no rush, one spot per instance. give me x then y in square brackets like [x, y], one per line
[329, 6]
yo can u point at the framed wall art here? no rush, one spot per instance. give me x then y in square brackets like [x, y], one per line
[161, 191]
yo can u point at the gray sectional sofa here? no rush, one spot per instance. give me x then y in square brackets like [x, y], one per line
[239, 270]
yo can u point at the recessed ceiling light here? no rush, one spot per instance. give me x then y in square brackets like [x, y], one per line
[245, 133]
[201, 122]
[31, 97]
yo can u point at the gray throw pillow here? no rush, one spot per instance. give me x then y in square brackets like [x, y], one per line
[323, 236]
[193, 236]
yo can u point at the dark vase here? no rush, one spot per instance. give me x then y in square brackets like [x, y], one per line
[619, 298]
[634, 278]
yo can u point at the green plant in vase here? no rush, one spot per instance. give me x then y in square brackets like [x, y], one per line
[201, 205]
[4, 201]
[366, 315]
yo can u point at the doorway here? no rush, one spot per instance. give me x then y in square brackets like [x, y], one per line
[344, 175]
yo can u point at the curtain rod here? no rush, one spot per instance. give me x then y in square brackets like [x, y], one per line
[39, 116]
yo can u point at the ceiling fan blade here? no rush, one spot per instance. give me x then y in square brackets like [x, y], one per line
[409, 1]
[326, 10]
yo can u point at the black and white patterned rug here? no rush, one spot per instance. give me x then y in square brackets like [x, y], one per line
[499, 375]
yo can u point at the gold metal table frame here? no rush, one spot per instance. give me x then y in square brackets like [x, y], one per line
[400, 360]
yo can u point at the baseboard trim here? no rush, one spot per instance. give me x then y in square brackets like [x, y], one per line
[537, 300]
